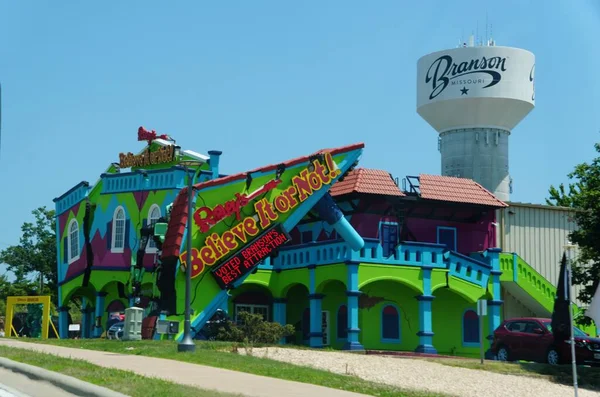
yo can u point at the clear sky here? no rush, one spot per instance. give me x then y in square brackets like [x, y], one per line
[265, 81]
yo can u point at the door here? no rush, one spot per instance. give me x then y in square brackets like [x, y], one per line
[514, 339]
[447, 236]
[534, 345]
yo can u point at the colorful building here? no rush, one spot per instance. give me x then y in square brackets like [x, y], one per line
[346, 255]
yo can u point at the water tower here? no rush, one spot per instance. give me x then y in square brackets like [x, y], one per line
[473, 96]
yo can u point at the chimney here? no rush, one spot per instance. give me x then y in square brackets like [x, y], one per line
[214, 162]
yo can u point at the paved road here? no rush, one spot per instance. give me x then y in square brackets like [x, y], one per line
[13, 384]
[195, 375]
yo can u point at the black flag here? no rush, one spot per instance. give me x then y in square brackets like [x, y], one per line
[562, 305]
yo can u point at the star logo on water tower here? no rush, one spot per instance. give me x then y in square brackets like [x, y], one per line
[464, 91]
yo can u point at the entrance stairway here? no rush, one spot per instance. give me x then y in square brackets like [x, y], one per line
[536, 293]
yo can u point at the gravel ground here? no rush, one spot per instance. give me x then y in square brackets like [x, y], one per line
[418, 374]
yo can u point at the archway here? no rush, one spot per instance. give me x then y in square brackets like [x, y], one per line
[79, 305]
[115, 301]
[455, 323]
[253, 298]
[388, 315]
[298, 313]
[335, 313]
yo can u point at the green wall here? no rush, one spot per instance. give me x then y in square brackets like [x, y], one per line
[297, 301]
[369, 319]
[448, 309]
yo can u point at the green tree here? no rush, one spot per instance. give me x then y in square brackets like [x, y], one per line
[34, 255]
[584, 197]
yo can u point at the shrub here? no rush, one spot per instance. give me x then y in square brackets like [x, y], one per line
[252, 329]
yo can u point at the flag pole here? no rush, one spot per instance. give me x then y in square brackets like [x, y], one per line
[568, 299]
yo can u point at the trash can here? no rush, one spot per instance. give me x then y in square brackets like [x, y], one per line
[132, 329]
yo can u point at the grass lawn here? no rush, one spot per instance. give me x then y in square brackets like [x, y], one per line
[217, 354]
[588, 377]
[122, 381]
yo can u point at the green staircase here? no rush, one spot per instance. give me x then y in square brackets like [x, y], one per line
[532, 289]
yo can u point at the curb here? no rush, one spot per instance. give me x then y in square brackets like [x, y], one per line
[67, 383]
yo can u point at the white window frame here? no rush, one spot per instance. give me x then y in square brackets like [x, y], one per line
[151, 246]
[252, 308]
[70, 257]
[118, 250]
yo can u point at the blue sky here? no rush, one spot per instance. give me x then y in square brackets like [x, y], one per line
[265, 81]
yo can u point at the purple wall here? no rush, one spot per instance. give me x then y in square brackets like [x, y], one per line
[471, 237]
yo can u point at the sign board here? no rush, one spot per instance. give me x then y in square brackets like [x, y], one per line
[165, 154]
[250, 256]
[482, 307]
[74, 327]
[243, 230]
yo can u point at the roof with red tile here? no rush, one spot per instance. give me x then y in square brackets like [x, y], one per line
[179, 212]
[458, 190]
[367, 181]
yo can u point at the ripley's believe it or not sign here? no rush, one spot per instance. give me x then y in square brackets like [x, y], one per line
[161, 156]
[238, 250]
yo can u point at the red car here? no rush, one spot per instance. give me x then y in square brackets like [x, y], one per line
[531, 339]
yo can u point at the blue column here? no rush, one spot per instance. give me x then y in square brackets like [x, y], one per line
[100, 298]
[63, 322]
[352, 343]
[316, 320]
[425, 333]
[279, 316]
[213, 162]
[494, 304]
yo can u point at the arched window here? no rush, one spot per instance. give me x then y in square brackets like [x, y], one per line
[118, 230]
[342, 322]
[153, 216]
[73, 241]
[470, 326]
[390, 324]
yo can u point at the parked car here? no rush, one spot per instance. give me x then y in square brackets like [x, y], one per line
[115, 331]
[531, 339]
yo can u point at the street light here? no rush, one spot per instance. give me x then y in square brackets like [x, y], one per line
[568, 247]
[187, 343]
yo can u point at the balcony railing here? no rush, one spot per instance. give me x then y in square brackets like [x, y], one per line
[467, 268]
[414, 254]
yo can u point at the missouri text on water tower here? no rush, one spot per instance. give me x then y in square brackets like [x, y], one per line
[474, 96]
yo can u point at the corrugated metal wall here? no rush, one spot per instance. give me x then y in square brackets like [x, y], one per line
[538, 234]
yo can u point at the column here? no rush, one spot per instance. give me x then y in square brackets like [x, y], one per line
[425, 333]
[494, 304]
[100, 301]
[316, 317]
[352, 293]
[279, 313]
[63, 322]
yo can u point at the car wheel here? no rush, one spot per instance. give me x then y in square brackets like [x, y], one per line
[552, 357]
[502, 354]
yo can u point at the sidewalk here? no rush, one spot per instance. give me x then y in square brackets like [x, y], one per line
[222, 380]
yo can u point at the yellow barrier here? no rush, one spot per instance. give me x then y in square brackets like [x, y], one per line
[11, 301]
